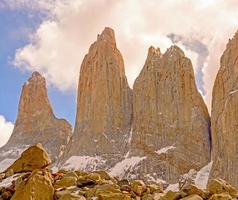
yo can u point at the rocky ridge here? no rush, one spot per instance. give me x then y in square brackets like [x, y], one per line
[159, 131]
[167, 110]
[36, 122]
[170, 119]
[104, 108]
[41, 183]
[225, 114]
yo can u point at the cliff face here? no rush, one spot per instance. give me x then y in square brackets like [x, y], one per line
[36, 122]
[170, 119]
[104, 107]
[224, 115]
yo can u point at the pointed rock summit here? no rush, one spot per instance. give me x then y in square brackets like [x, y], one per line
[104, 107]
[36, 122]
[224, 118]
[170, 119]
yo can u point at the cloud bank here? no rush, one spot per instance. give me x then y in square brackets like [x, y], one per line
[202, 28]
[6, 129]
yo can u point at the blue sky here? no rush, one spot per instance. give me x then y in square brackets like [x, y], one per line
[16, 26]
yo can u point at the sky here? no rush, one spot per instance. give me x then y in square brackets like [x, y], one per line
[52, 37]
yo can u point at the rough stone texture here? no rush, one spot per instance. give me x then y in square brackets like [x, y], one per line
[36, 122]
[33, 158]
[38, 186]
[219, 186]
[104, 107]
[224, 116]
[170, 119]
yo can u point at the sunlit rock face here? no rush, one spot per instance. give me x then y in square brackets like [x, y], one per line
[170, 119]
[104, 106]
[36, 122]
[224, 115]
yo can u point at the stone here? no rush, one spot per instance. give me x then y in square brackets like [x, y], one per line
[38, 186]
[71, 174]
[221, 196]
[147, 197]
[158, 196]
[193, 189]
[103, 175]
[36, 123]
[217, 186]
[72, 197]
[65, 182]
[155, 188]
[104, 106]
[35, 157]
[171, 123]
[224, 116]
[123, 182]
[113, 196]
[9, 172]
[193, 197]
[138, 187]
[93, 176]
[171, 195]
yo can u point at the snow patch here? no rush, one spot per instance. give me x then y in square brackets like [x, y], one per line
[15, 152]
[130, 137]
[153, 179]
[232, 92]
[86, 163]
[6, 163]
[165, 149]
[203, 175]
[8, 181]
[125, 166]
[173, 187]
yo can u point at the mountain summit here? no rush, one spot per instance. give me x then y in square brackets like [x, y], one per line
[36, 122]
[104, 108]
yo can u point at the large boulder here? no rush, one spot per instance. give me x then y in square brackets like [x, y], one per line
[37, 186]
[218, 186]
[33, 158]
[104, 107]
[224, 116]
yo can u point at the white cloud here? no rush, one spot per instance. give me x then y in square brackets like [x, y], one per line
[59, 44]
[6, 129]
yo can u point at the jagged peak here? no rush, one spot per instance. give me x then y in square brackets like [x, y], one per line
[175, 50]
[35, 77]
[107, 35]
[233, 40]
[35, 73]
[153, 51]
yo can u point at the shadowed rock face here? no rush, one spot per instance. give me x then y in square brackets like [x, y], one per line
[104, 107]
[170, 119]
[36, 122]
[224, 116]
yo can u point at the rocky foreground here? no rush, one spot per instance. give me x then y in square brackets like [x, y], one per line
[30, 178]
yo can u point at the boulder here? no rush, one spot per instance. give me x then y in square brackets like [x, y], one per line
[72, 197]
[37, 186]
[217, 186]
[193, 197]
[138, 187]
[65, 182]
[35, 157]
